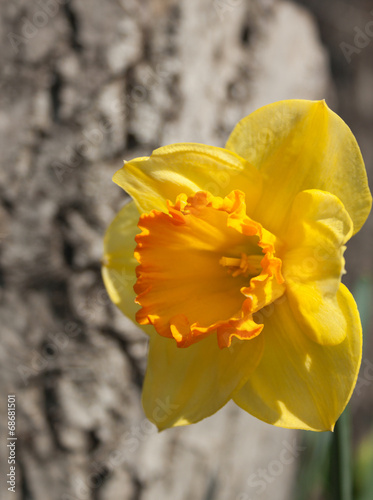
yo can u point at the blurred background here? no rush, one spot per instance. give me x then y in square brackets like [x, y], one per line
[85, 85]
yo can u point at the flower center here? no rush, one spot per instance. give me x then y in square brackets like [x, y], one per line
[247, 265]
[205, 267]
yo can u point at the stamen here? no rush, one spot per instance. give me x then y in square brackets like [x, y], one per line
[247, 265]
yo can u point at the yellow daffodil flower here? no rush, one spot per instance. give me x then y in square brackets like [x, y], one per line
[236, 270]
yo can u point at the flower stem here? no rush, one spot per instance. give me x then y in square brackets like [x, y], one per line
[340, 474]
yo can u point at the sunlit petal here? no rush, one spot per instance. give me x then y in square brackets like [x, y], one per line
[298, 145]
[301, 384]
[187, 168]
[183, 386]
[119, 263]
[313, 264]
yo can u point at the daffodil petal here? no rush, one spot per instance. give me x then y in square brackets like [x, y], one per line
[298, 145]
[313, 264]
[183, 386]
[119, 263]
[187, 168]
[300, 384]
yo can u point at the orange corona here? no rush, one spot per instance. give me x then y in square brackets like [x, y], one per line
[205, 267]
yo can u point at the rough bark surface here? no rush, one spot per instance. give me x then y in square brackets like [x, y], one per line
[86, 84]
